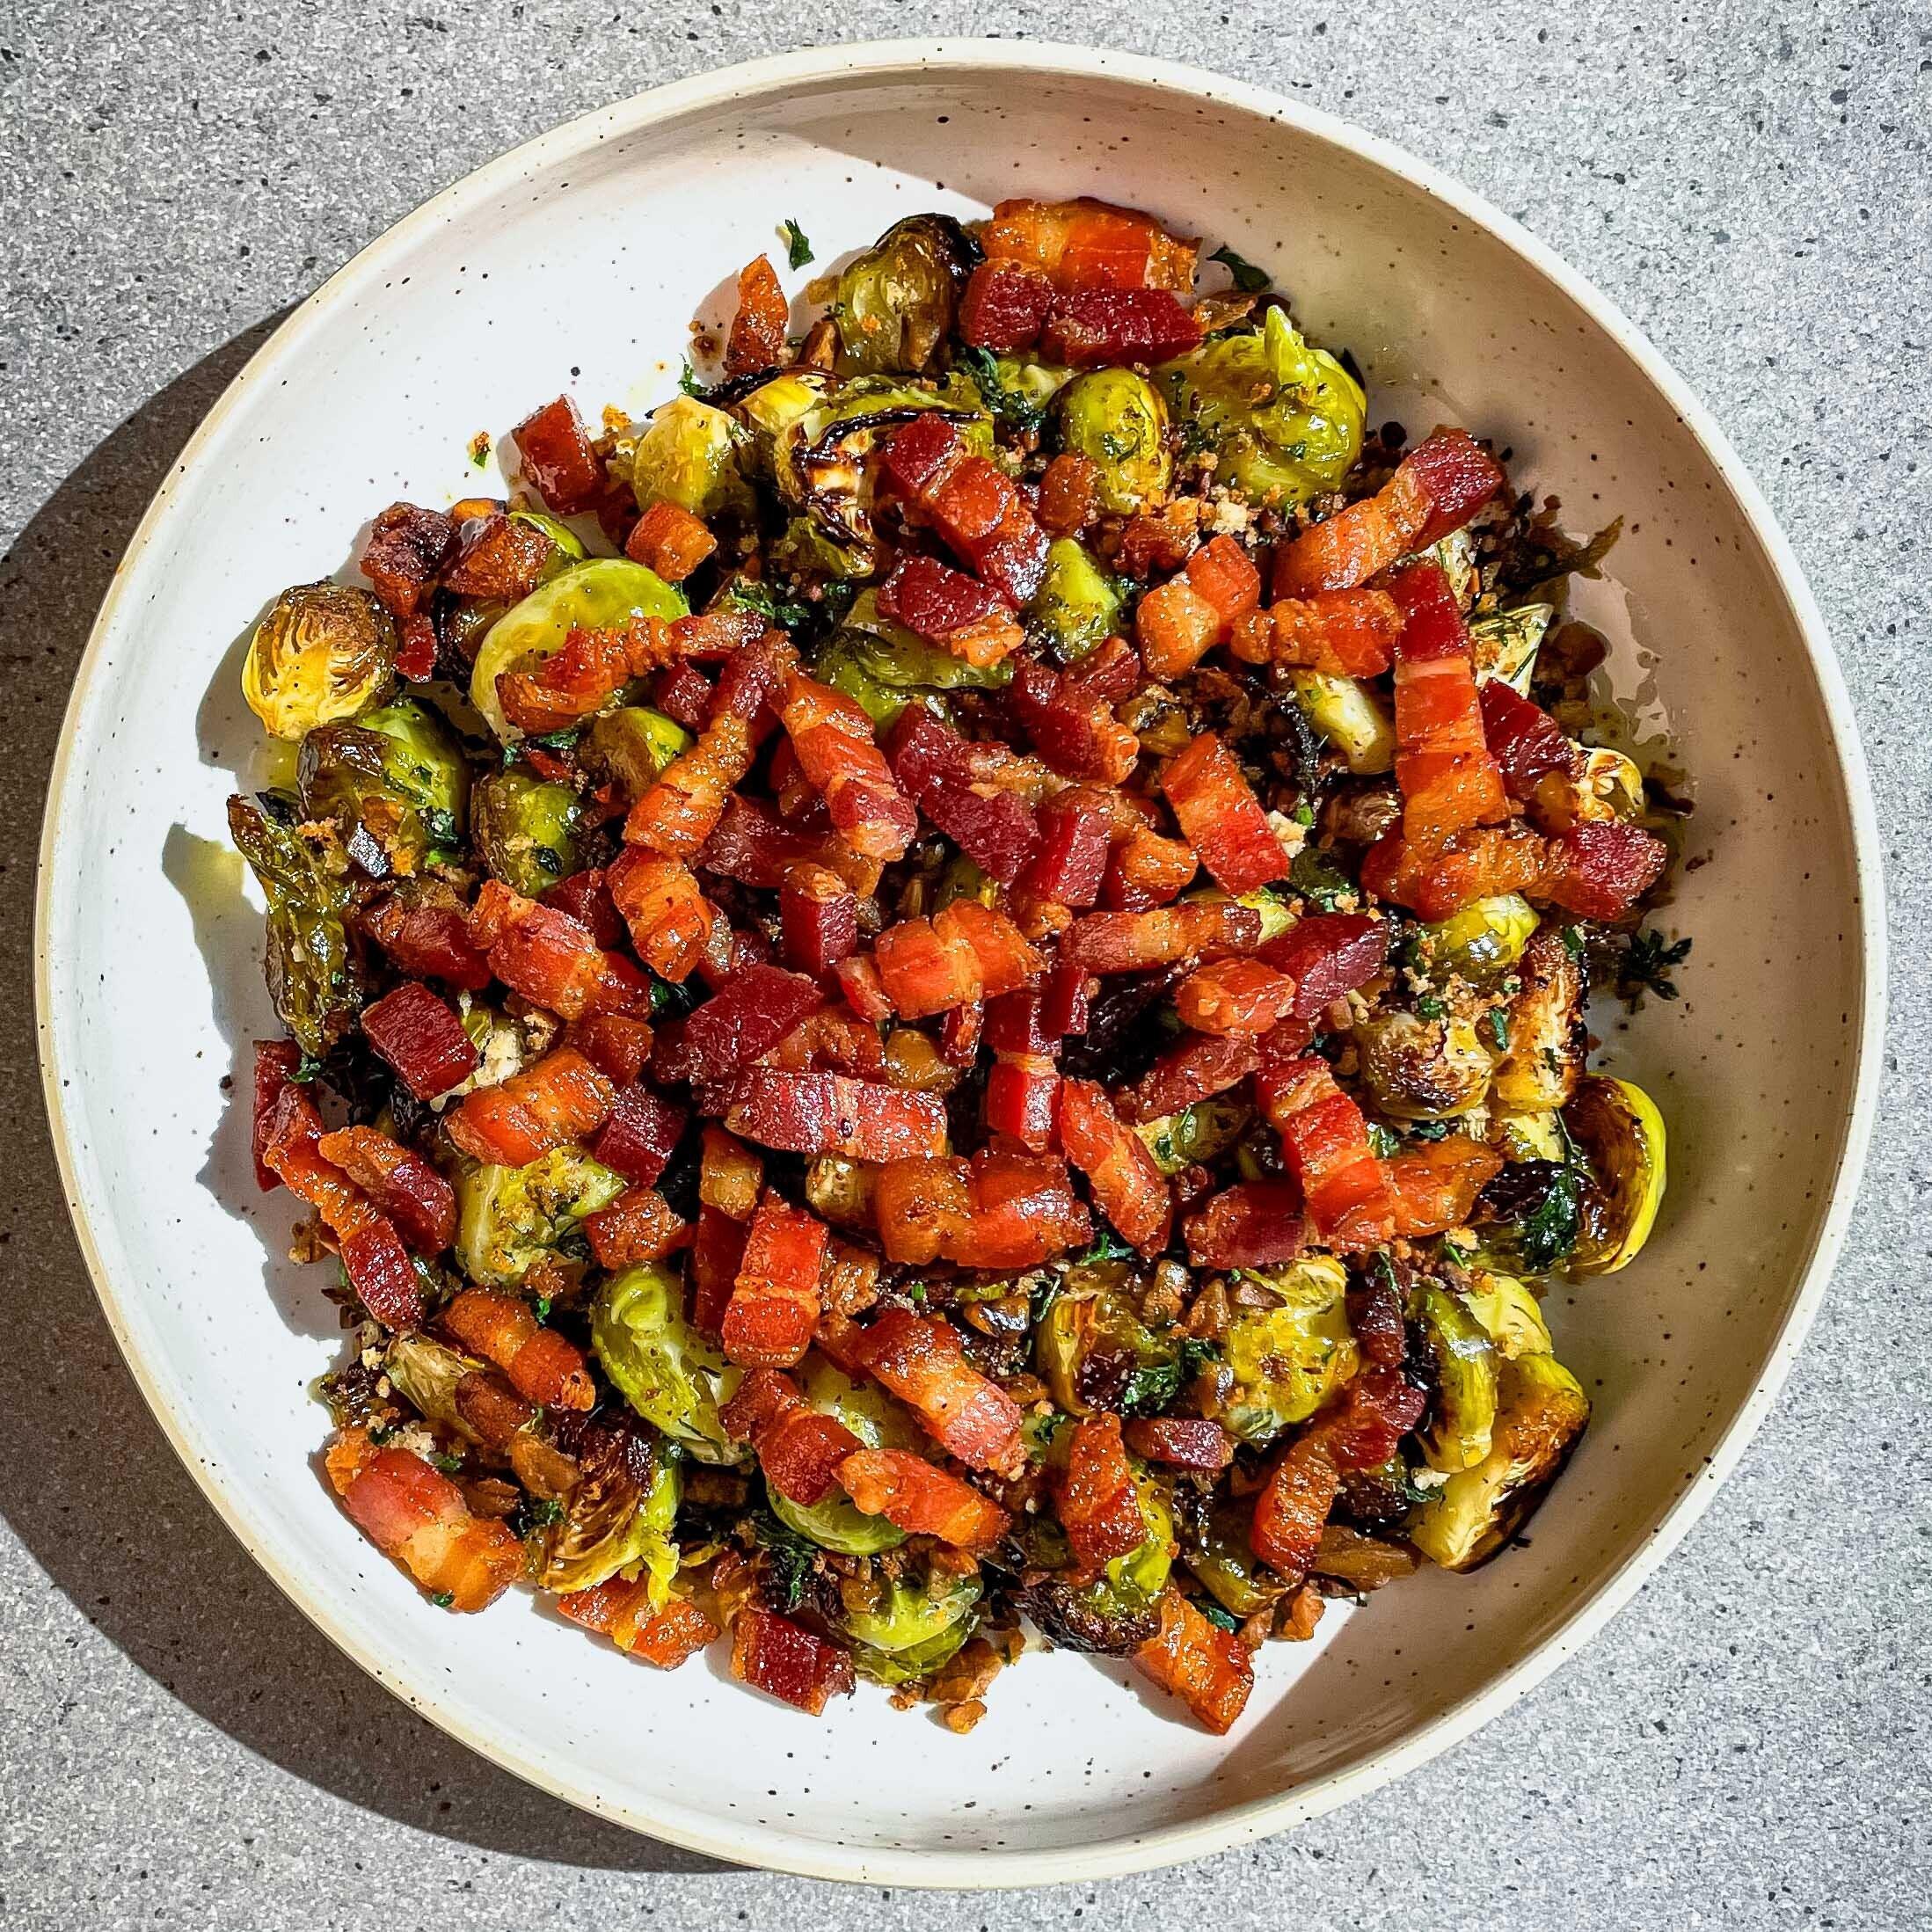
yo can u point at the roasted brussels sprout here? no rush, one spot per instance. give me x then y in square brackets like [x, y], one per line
[525, 828]
[1486, 937]
[566, 547]
[1203, 1132]
[916, 1624]
[1422, 1069]
[1120, 1610]
[1015, 387]
[669, 1372]
[1348, 713]
[1456, 554]
[1541, 1412]
[1548, 1040]
[1215, 1548]
[1077, 604]
[883, 666]
[1510, 1314]
[324, 652]
[1461, 1361]
[1618, 1129]
[509, 1217]
[1528, 1218]
[895, 303]
[1505, 643]
[1093, 1351]
[630, 746]
[879, 1423]
[1116, 420]
[1527, 1136]
[770, 409]
[1285, 420]
[619, 1518]
[397, 777]
[1606, 787]
[601, 592]
[314, 960]
[426, 1372]
[1287, 1360]
[688, 455]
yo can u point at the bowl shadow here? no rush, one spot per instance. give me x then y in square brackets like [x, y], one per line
[87, 1480]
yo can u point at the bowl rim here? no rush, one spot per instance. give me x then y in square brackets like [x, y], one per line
[770, 1847]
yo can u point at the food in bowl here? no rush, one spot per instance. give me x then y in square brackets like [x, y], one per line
[948, 981]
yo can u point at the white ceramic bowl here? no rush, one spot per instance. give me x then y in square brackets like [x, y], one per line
[578, 259]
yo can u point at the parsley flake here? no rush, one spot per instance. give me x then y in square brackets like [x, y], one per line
[797, 249]
[1249, 279]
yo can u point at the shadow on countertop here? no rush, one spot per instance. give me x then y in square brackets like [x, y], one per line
[87, 1480]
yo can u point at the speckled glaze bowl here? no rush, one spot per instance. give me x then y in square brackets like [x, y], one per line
[577, 260]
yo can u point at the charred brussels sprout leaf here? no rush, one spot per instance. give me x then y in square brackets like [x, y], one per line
[1287, 1360]
[1461, 1362]
[395, 783]
[314, 962]
[325, 651]
[619, 1517]
[883, 666]
[509, 1218]
[1620, 1133]
[1510, 1314]
[426, 1372]
[896, 304]
[1093, 1350]
[1120, 1610]
[1215, 1547]
[1116, 418]
[526, 829]
[669, 1372]
[628, 747]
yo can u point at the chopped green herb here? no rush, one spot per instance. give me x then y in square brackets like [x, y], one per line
[1647, 966]
[443, 1599]
[1572, 942]
[1548, 1231]
[1018, 412]
[1221, 1619]
[1461, 1257]
[1382, 1142]
[789, 1557]
[689, 382]
[447, 1464]
[769, 606]
[1249, 279]
[1430, 1007]
[1496, 1019]
[1304, 813]
[543, 1307]
[306, 1070]
[1110, 1246]
[797, 249]
[1429, 1130]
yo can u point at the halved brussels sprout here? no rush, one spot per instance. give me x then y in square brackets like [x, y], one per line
[773, 407]
[1116, 420]
[1505, 643]
[1120, 1610]
[1541, 1412]
[1077, 604]
[1527, 1136]
[1287, 1360]
[324, 651]
[590, 595]
[883, 666]
[1486, 937]
[526, 829]
[1422, 1069]
[1528, 1218]
[1203, 1132]
[688, 455]
[1284, 420]
[1348, 713]
[397, 775]
[507, 1218]
[667, 1370]
[615, 1523]
[1462, 1359]
[630, 746]
[879, 1423]
[314, 962]
[426, 1374]
[841, 1192]
[1510, 1313]
[567, 547]
[1015, 387]
[1092, 1348]
[1217, 1549]
[1618, 1129]
[916, 1624]
[1548, 1040]
[895, 303]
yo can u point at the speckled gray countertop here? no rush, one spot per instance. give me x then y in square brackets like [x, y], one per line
[1748, 1744]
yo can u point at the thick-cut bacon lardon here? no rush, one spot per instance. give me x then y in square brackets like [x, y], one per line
[541, 1364]
[1126, 1184]
[1325, 1140]
[965, 951]
[773, 1654]
[1085, 244]
[921, 1360]
[829, 1113]
[663, 1635]
[1340, 633]
[560, 1099]
[973, 503]
[833, 740]
[1131, 942]
[799, 1449]
[400, 1182]
[1253, 1224]
[757, 338]
[1220, 817]
[1209, 1669]
[995, 1211]
[923, 1501]
[774, 1306]
[553, 960]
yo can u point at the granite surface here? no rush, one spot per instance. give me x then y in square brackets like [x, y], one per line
[1748, 1744]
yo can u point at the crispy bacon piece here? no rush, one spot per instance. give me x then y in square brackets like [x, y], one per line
[638, 1226]
[731, 1176]
[1069, 495]
[1340, 633]
[941, 772]
[1235, 996]
[1004, 307]
[833, 739]
[669, 540]
[276, 1061]
[774, 1305]
[496, 557]
[1158, 539]
[684, 694]
[560, 1099]
[757, 338]
[1253, 1224]
[587, 898]
[669, 917]
[1181, 1442]
[921, 1360]
[1209, 1669]
[1090, 326]
[974, 506]
[557, 458]
[1072, 729]
[372, 1252]
[1598, 871]
[1437, 488]
[1328, 954]
[1435, 1184]
[664, 1637]
[1220, 817]
[542, 1365]
[641, 1133]
[1084, 243]
[965, 951]
[923, 1500]
[818, 915]
[427, 941]
[1131, 942]
[1069, 863]
[944, 606]
[1098, 1503]
[1443, 767]
[415, 648]
[1023, 1085]
[717, 1253]
[798, 1449]
[835, 1041]
[772, 1653]
[1179, 622]
[683, 808]
[552, 960]
[1325, 1141]
[1437, 881]
[1063, 1003]
[830, 1113]
[405, 556]
[1523, 739]
[1198, 1067]
[586, 675]
[1126, 1184]
[417, 1517]
[752, 846]
[996, 1210]
[420, 1202]
[1145, 870]
[421, 1037]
